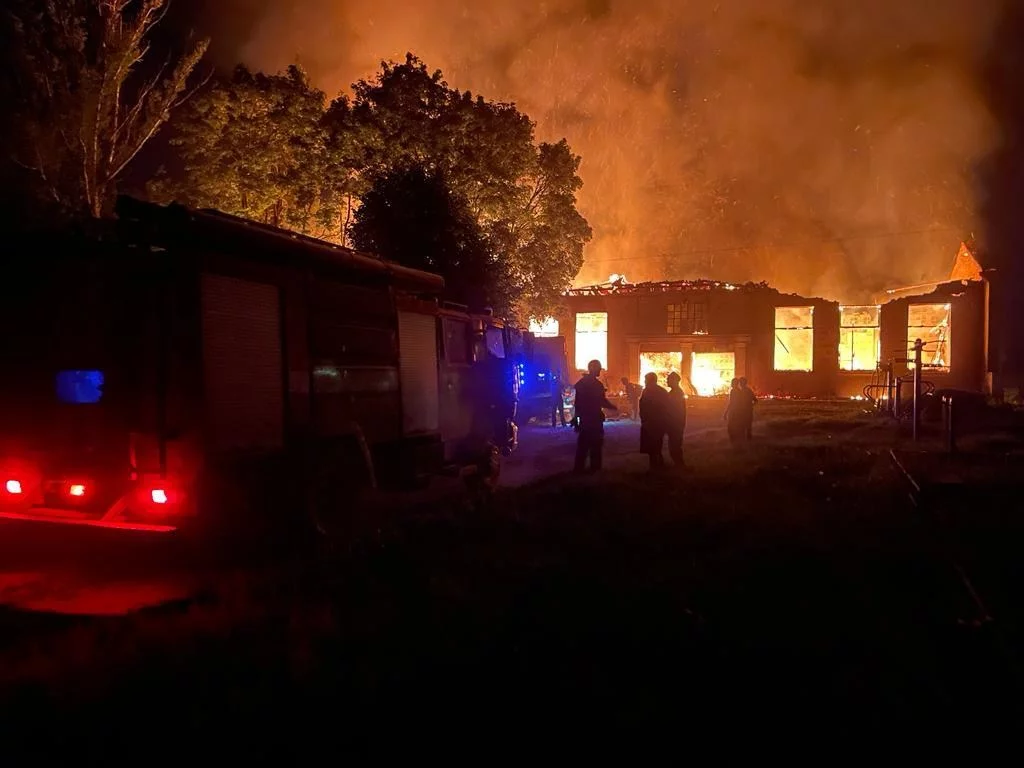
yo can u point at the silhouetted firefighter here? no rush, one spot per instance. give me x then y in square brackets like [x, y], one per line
[676, 421]
[653, 420]
[632, 393]
[591, 403]
[751, 402]
[557, 401]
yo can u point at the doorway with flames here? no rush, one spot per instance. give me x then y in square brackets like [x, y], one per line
[707, 369]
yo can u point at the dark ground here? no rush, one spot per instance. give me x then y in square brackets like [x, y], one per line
[768, 597]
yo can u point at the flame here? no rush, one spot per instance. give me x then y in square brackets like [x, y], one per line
[547, 326]
[761, 128]
[711, 373]
[660, 363]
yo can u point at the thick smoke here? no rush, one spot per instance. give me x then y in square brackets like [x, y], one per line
[827, 147]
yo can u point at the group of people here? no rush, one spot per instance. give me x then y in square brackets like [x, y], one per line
[739, 412]
[662, 415]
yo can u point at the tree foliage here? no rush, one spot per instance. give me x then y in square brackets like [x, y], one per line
[413, 217]
[523, 195]
[257, 146]
[266, 147]
[82, 104]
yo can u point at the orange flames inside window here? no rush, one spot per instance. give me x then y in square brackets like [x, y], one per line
[711, 373]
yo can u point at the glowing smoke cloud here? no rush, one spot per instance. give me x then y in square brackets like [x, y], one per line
[734, 140]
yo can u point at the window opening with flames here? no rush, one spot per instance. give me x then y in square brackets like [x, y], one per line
[711, 373]
[661, 363]
[546, 328]
[931, 324]
[794, 338]
[591, 339]
[859, 338]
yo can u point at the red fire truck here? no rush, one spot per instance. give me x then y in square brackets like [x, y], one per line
[180, 366]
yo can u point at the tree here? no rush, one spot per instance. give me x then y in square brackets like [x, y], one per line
[264, 147]
[523, 196]
[545, 235]
[256, 145]
[82, 105]
[412, 217]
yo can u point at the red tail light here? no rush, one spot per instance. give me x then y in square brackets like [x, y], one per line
[13, 487]
[158, 496]
[76, 489]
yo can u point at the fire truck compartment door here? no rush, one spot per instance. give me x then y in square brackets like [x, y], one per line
[417, 365]
[242, 364]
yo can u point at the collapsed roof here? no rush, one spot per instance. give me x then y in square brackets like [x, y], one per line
[966, 267]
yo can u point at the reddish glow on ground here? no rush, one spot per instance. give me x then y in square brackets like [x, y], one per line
[49, 517]
[81, 593]
[13, 487]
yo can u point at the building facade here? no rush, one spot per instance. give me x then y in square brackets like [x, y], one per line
[784, 344]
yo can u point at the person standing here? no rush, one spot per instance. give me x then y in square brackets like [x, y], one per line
[653, 420]
[734, 421]
[750, 400]
[591, 403]
[676, 421]
[739, 413]
[557, 401]
[632, 393]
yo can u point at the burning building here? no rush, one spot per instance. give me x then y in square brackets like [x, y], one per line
[712, 331]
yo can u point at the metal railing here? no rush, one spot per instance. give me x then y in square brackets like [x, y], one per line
[887, 393]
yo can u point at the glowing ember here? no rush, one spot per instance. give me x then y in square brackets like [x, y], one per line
[712, 372]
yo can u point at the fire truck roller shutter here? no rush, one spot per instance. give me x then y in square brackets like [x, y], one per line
[242, 363]
[417, 348]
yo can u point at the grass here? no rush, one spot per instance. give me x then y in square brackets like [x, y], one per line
[786, 582]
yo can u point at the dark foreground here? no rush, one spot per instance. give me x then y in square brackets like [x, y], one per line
[789, 590]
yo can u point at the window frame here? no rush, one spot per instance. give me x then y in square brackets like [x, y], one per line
[876, 328]
[947, 339]
[685, 317]
[777, 341]
[576, 337]
[548, 328]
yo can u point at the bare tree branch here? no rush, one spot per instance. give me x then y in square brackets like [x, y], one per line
[189, 94]
[82, 112]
